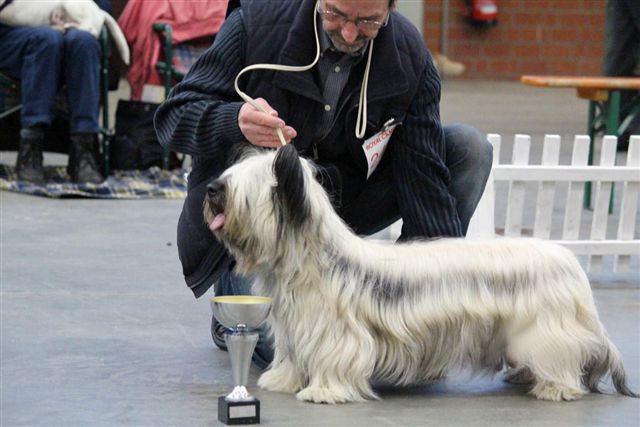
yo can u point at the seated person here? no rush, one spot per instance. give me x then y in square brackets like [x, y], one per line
[44, 60]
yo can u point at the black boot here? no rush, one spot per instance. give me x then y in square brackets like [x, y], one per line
[29, 162]
[83, 166]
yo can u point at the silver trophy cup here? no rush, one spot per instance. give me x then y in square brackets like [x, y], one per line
[242, 314]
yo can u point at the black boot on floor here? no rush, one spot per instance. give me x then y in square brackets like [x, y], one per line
[83, 164]
[29, 162]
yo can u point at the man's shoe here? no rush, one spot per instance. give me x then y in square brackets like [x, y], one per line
[83, 164]
[29, 161]
[217, 333]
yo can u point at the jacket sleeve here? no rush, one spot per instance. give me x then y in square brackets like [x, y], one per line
[422, 177]
[200, 115]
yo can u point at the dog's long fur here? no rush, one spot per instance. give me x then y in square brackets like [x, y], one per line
[62, 14]
[348, 312]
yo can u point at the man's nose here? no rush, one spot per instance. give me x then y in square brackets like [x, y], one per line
[349, 32]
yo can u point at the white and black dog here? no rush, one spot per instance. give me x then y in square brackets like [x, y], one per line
[348, 312]
[63, 14]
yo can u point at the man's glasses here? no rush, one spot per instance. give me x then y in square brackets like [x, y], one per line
[364, 25]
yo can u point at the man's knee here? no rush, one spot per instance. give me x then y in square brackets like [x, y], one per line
[467, 145]
[46, 39]
[80, 40]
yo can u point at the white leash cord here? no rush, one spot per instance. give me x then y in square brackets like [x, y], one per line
[276, 67]
[361, 124]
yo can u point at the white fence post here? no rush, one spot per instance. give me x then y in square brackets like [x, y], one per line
[601, 204]
[482, 224]
[629, 205]
[575, 193]
[546, 189]
[515, 203]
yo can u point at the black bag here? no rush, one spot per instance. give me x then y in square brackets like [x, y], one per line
[135, 145]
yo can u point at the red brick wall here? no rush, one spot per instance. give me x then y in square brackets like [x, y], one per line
[532, 37]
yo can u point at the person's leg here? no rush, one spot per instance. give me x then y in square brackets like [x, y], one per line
[82, 78]
[622, 29]
[33, 55]
[232, 284]
[622, 52]
[469, 159]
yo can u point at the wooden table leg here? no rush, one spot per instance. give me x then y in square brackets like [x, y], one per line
[591, 131]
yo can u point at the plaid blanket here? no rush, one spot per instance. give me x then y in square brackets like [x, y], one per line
[154, 183]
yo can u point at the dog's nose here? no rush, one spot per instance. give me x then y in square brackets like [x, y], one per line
[215, 188]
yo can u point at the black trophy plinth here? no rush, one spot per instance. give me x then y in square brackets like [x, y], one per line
[242, 412]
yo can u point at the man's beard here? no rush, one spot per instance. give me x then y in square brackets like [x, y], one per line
[344, 47]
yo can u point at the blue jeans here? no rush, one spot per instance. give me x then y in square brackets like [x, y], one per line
[44, 60]
[469, 159]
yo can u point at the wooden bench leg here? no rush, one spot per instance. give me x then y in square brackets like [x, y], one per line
[591, 131]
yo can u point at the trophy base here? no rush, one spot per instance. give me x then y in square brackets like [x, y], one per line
[240, 412]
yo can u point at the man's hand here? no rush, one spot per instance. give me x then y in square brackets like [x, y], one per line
[260, 128]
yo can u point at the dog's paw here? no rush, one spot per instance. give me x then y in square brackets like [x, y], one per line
[280, 380]
[551, 391]
[521, 375]
[324, 395]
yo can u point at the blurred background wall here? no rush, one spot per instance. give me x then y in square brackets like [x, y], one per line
[531, 37]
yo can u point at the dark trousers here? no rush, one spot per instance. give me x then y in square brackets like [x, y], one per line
[622, 48]
[44, 60]
[469, 159]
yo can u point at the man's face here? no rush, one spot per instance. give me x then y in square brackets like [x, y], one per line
[350, 23]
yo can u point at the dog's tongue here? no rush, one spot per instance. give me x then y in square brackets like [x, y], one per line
[217, 222]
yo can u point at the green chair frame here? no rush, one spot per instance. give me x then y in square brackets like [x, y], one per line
[166, 69]
[170, 75]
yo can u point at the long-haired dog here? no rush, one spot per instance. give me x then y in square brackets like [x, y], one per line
[348, 312]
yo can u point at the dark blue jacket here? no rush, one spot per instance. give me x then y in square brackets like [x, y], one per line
[200, 118]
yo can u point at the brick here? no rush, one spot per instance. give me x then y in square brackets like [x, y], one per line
[532, 36]
[533, 66]
[503, 67]
[527, 50]
[556, 50]
[563, 35]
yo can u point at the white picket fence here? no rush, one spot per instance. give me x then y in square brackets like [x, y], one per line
[538, 194]
[524, 199]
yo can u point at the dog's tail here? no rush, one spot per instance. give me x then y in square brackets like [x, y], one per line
[606, 362]
[118, 37]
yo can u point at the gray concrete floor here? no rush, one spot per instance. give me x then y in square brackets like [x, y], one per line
[97, 327]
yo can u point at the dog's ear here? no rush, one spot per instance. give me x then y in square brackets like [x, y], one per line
[290, 191]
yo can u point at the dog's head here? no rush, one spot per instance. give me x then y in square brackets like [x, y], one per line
[260, 207]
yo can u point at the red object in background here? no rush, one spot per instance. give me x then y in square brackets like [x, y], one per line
[190, 19]
[482, 12]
